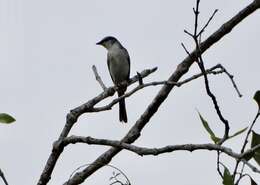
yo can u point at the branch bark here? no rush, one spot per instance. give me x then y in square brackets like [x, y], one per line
[182, 68]
[3, 177]
[71, 119]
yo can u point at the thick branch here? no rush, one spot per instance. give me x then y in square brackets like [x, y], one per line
[182, 68]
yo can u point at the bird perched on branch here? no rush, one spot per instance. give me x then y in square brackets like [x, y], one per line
[118, 62]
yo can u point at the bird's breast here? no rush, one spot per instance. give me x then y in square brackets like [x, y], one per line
[118, 65]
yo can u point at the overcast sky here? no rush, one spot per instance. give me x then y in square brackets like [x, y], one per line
[47, 49]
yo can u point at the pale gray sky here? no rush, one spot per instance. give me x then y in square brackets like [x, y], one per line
[47, 49]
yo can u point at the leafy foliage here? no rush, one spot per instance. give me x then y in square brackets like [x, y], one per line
[213, 137]
[256, 141]
[238, 133]
[6, 118]
[227, 178]
[257, 98]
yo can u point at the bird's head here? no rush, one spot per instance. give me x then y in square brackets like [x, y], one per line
[107, 42]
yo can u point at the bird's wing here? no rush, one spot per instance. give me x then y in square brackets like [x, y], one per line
[109, 58]
[128, 60]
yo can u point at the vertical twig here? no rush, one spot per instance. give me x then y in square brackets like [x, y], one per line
[202, 68]
[245, 143]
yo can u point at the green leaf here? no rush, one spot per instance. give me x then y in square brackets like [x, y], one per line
[257, 98]
[215, 139]
[253, 182]
[208, 129]
[237, 133]
[6, 118]
[256, 141]
[227, 178]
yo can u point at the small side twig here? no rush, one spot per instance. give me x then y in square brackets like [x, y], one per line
[200, 63]
[218, 164]
[140, 79]
[206, 25]
[98, 78]
[3, 177]
[245, 142]
[253, 168]
[185, 49]
[114, 176]
[241, 174]
[231, 77]
[139, 87]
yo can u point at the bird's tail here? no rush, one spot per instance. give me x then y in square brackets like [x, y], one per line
[122, 109]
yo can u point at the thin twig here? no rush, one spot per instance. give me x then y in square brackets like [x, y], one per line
[241, 174]
[187, 32]
[245, 143]
[182, 69]
[206, 25]
[3, 177]
[218, 164]
[185, 49]
[202, 68]
[196, 12]
[231, 77]
[253, 168]
[98, 78]
[109, 165]
[140, 79]
[139, 87]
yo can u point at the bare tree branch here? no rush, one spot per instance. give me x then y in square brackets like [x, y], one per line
[231, 77]
[3, 177]
[253, 168]
[98, 78]
[135, 131]
[182, 68]
[150, 151]
[71, 119]
[218, 164]
[206, 25]
[113, 177]
[245, 143]
[200, 63]
[141, 86]
[166, 149]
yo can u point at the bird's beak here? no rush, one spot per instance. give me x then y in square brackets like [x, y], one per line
[98, 43]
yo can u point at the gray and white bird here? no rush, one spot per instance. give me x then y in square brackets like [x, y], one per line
[118, 62]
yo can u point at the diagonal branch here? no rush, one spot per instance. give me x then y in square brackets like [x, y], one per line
[3, 177]
[71, 119]
[98, 78]
[210, 19]
[245, 143]
[182, 68]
